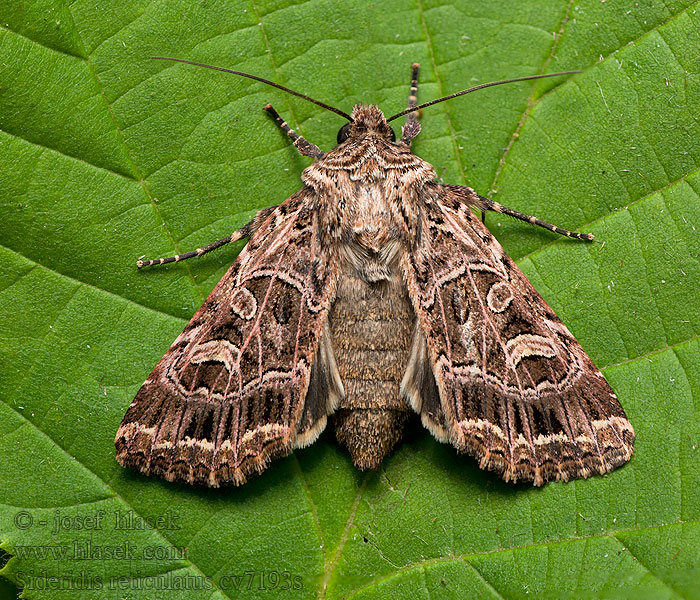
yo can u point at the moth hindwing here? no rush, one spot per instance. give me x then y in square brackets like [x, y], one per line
[371, 295]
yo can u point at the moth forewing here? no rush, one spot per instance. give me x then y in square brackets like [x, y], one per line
[373, 294]
[516, 389]
[230, 393]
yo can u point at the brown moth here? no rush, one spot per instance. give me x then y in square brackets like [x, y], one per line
[372, 294]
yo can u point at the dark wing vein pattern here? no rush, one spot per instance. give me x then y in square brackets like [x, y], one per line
[515, 388]
[228, 396]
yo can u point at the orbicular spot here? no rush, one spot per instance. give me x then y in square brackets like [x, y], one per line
[499, 297]
[529, 344]
[243, 303]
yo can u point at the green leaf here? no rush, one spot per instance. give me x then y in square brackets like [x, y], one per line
[106, 156]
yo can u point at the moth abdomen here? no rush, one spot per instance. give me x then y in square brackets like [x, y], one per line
[369, 434]
[370, 326]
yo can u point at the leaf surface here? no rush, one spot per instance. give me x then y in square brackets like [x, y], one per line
[106, 156]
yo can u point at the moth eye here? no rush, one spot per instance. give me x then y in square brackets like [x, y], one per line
[393, 136]
[344, 133]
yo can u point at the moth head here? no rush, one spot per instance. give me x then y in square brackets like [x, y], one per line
[366, 121]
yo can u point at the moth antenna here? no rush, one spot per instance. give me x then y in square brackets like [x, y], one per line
[261, 80]
[478, 87]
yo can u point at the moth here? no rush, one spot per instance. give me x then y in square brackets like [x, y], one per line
[372, 294]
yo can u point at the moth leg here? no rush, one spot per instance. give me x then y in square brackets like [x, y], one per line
[411, 127]
[496, 207]
[244, 232]
[305, 148]
[469, 196]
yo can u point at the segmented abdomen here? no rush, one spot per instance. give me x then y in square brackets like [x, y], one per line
[371, 326]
